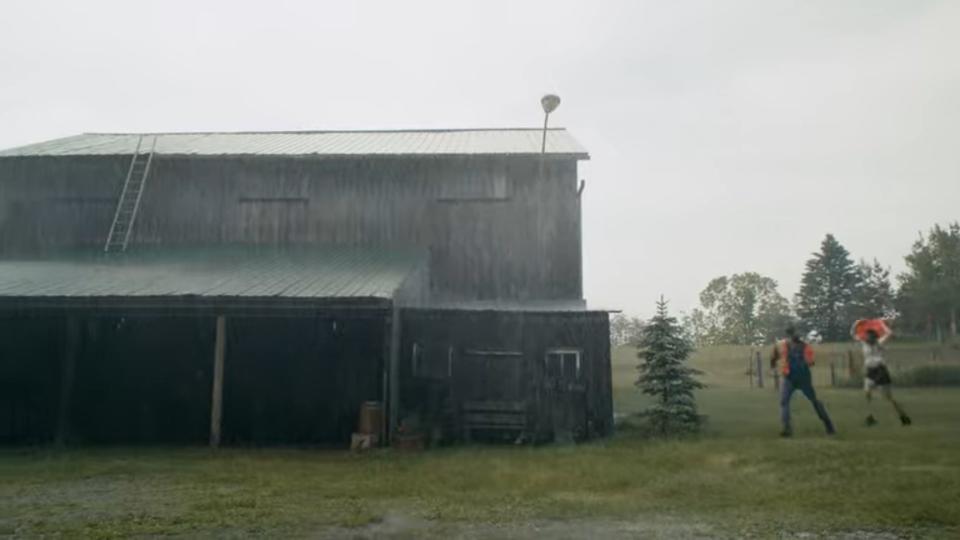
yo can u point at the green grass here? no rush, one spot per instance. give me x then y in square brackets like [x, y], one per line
[736, 478]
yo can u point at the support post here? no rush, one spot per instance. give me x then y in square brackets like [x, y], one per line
[833, 373]
[385, 385]
[394, 362]
[216, 402]
[67, 371]
[759, 371]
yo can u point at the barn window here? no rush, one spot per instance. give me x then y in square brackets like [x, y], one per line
[84, 201]
[485, 186]
[276, 200]
[563, 364]
[431, 362]
[499, 186]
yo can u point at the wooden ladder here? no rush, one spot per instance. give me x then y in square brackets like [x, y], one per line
[129, 202]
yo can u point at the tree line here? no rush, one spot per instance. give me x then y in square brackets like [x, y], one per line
[835, 290]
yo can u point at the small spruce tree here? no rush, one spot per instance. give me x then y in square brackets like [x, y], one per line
[665, 375]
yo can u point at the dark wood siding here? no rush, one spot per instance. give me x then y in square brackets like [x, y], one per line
[48, 203]
[500, 356]
[496, 228]
[147, 379]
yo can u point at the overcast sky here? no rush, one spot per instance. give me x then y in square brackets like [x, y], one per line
[725, 136]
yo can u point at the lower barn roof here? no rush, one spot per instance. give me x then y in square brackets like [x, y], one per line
[225, 274]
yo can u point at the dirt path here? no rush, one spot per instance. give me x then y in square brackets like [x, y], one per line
[398, 526]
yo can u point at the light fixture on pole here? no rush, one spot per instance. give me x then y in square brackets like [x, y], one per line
[550, 102]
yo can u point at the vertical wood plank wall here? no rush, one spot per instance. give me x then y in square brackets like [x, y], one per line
[495, 227]
[530, 334]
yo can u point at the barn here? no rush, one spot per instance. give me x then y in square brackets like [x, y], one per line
[263, 287]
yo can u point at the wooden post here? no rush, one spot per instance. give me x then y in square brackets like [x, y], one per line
[759, 371]
[750, 370]
[833, 373]
[216, 403]
[385, 384]
[67, 370]
[394, 372]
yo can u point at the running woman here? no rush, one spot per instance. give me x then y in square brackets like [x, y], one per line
[876, 374]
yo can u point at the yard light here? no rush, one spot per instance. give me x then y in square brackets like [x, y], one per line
[550, 102]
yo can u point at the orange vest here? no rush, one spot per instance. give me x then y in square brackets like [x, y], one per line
[785, 355]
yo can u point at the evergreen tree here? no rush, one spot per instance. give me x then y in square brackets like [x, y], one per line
[874, 296]
[665, 376]
[827, 291]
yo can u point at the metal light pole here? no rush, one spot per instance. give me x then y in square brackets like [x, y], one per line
[550, 102]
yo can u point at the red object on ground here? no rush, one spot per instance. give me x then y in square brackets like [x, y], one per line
[877, 325]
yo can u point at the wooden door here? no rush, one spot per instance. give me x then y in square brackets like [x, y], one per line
[564, 394]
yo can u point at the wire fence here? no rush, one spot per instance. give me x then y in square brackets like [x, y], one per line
[841, 366]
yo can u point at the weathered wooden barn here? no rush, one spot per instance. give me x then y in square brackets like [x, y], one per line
[257, 288]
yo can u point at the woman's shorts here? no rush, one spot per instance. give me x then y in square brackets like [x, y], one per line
[876, 376]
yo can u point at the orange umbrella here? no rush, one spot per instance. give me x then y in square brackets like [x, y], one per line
[877, 325]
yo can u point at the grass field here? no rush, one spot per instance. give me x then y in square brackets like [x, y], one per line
[737, 479]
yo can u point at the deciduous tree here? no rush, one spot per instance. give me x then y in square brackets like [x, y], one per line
[741, 309]
[929, 294]
[625, 330]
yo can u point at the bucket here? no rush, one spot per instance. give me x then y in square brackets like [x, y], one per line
[371, 418]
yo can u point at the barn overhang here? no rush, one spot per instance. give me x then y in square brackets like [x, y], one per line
[229, 281]
[231, 291]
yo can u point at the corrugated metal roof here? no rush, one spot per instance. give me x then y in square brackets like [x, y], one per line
[217, 273]
[318, 143]
[544, 306]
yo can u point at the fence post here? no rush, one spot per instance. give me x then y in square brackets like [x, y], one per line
[759, 371]
[750, 370]
[833, 373]
[850, 372]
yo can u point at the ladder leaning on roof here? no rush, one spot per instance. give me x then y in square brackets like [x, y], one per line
[129, 202]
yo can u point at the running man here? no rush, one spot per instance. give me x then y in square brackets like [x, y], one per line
[876, 374]
[796, 358]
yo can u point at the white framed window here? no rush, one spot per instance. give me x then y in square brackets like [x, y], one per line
[563, 364]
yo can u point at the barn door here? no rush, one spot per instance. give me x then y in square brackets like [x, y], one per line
[489, 376]
[565, 394]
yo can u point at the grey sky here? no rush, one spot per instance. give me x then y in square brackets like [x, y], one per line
[726, 136]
